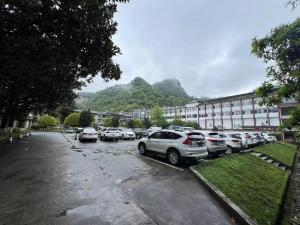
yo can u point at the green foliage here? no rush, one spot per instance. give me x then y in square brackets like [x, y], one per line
[65, 110]
[51, 48]
[46, 120]
[108, 122]
[72, 120]
[147, 123]
[177, 122]
[293, 122]
[115, 121]
[86, 118]
[280, 49]
[250, 183]
[137, 94]
[157, 117]
[192, 124]
[137, 124]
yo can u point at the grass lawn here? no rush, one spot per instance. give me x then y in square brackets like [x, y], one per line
[251, 183]
[281, 151]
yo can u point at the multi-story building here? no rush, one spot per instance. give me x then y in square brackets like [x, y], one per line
[99, 117]
[232, 112]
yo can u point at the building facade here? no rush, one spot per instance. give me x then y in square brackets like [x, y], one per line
[238, 112]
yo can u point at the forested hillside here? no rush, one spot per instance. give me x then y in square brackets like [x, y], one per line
[137, 94]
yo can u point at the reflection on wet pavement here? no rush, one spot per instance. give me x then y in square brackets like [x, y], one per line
[63, 181]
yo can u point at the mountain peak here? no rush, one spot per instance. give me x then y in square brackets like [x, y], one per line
[136, 94]
[138, 81]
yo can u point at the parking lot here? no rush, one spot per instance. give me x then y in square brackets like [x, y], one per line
[84, 183]
[170, 195]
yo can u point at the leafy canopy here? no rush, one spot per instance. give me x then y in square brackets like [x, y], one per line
[85, 118]
[50, 48]
[46, 120]
[72, 120]
[157, 117]
[281, 50]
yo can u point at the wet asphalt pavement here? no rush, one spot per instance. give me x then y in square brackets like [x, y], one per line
[49, 178]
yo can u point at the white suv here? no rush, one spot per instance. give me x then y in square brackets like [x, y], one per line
[174, 145]
[109, 133]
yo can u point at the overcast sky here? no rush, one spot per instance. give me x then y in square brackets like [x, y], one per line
[205, 44]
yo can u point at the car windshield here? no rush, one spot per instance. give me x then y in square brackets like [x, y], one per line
[112, 129]
[127, 130]
[89, 130]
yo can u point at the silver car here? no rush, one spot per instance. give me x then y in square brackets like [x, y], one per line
[215, 144]
[174, 145]
[89, 134]
[233, 143]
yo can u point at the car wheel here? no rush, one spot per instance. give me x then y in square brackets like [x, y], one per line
[142, 149]
[228, 150]
[173, 157]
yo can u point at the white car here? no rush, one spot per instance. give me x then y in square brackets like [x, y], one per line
[233, 143]
[88, 134]
[241, 137]
[153, 129]
[215, 144]
[268, 138]
[109, 133]
[127, 134]
[174, 145]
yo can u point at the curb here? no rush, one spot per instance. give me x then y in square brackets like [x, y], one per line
[238, 214]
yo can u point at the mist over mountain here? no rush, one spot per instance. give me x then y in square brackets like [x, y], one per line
[137, 94]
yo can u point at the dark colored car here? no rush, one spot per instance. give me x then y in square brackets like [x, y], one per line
[140, 133]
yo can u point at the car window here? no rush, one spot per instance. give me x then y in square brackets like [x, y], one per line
[222, 135]
[156, 135]
[170, 135]
[214, 135]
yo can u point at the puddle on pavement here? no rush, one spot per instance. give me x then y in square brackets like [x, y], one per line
[85, 211]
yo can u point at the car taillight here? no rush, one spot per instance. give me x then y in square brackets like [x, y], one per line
[187, 141]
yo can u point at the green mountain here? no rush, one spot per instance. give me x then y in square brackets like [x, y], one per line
[135, 95]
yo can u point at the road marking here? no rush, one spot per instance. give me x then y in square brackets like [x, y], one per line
[174, 167]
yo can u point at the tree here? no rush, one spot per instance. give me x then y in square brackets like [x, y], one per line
[137, 124]
[115, 122]
[157, 117]
[281, 50]
[72, 120]
[107, 122]
[46, 120]
[49, 49]
[147, 123]
[192, 124]
[293, 3]
[85, 118]
[130, 124]
[65, 110]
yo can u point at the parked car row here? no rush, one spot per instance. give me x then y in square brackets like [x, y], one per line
[178, 144]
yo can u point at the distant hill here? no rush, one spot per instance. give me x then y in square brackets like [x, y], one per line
[137, 94]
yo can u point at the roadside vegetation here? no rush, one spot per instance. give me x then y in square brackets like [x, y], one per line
[281, 151]
[254, 185]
